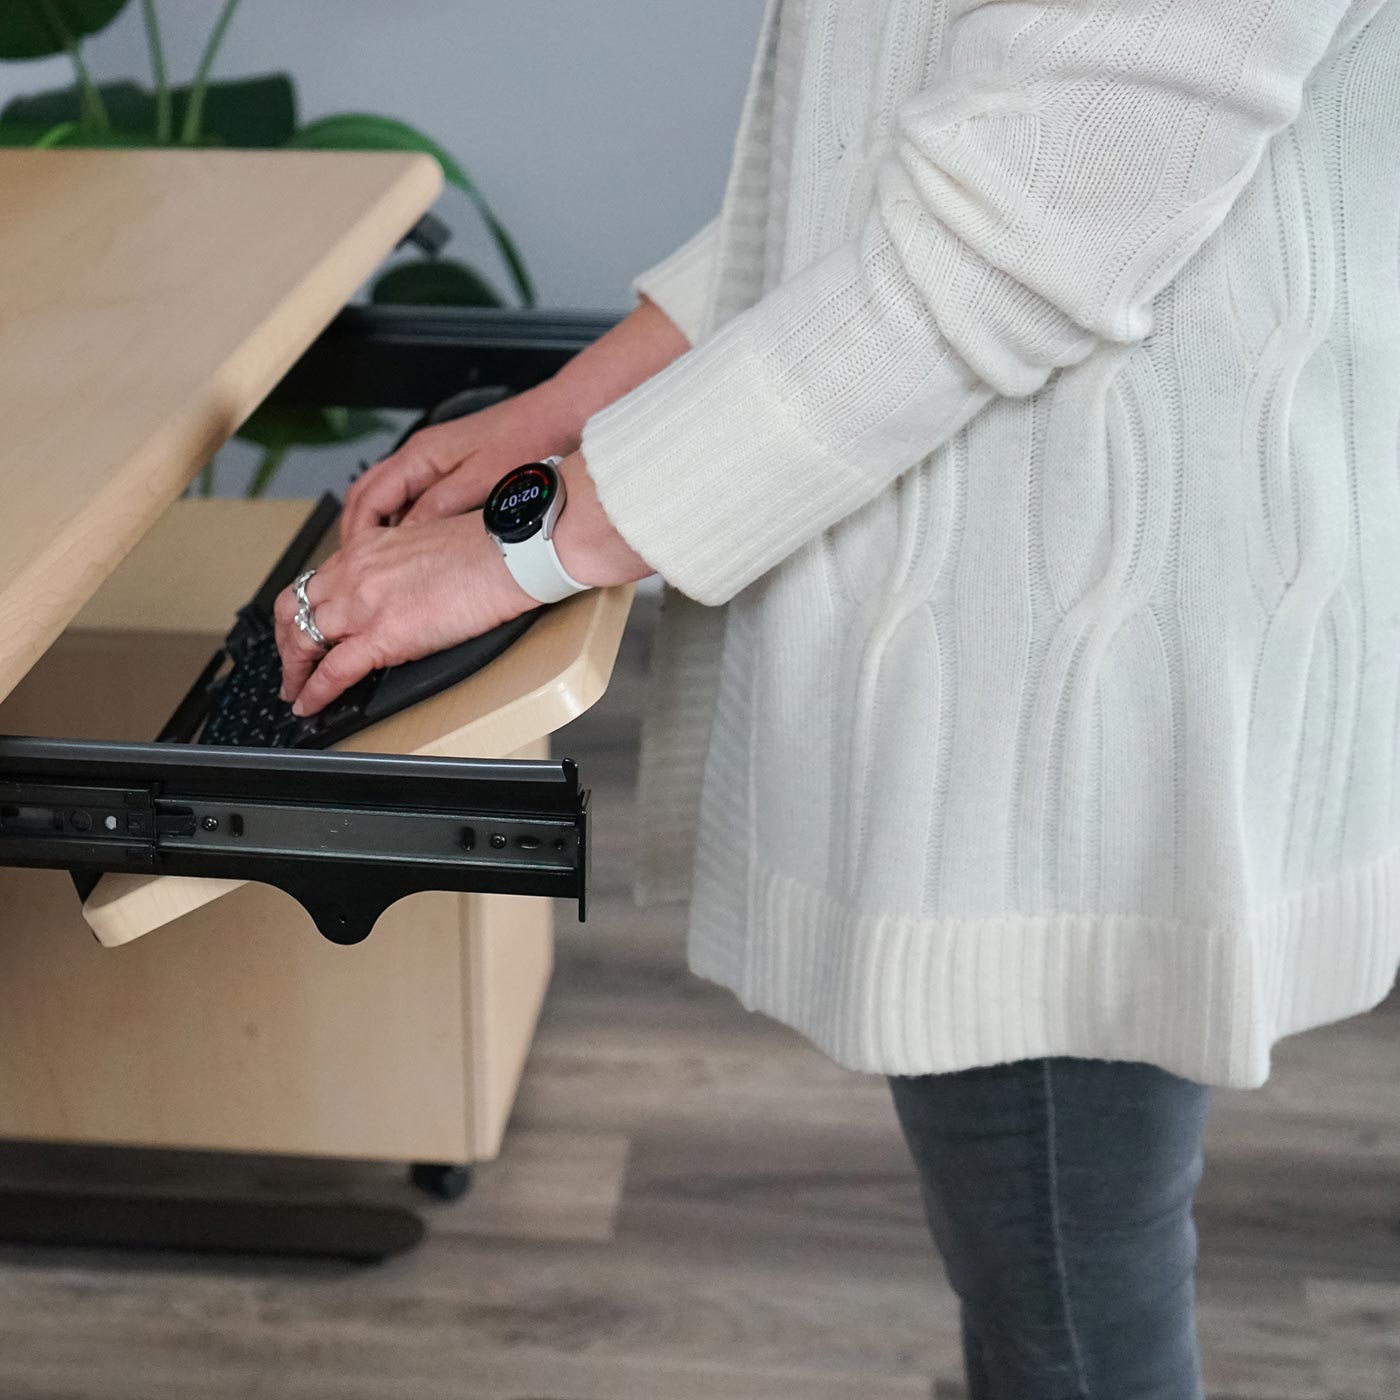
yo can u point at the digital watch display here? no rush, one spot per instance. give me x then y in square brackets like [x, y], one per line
[520, 514]
[520, 502]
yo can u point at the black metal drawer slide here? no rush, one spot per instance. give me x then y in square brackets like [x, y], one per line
[344, 834]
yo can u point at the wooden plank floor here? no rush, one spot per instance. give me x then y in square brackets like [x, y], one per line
[693, 1203]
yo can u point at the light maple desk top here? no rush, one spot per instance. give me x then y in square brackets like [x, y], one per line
[149, 300]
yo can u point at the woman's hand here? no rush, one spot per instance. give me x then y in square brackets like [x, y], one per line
[393, 595]
[451, 467]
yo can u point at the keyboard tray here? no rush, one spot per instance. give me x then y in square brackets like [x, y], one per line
[201, 556]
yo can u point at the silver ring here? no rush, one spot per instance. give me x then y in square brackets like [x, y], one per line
[306, 621]
[306, 617]
[299, 588]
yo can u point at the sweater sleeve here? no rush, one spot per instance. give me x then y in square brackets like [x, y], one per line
[1060, 170]
[680, 284]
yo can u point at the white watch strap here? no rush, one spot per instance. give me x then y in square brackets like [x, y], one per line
[535, 566]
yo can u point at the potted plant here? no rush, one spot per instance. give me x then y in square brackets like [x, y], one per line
[251, 113]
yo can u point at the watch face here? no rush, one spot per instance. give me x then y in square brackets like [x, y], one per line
[516, 508]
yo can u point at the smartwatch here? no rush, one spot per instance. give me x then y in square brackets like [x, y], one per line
[520, 515]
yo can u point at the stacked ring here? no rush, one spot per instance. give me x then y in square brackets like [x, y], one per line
[306, 618]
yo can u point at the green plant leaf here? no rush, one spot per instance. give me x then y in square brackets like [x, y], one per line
[124, 101]
[25, 133]
[254, 113]
[251, 113]
[57, 136]
[25, 31]
[436, 282]
[265, 472]
[279, 426]
[71, 135]
[361, 131]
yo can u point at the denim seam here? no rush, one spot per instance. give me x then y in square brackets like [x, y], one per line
[1061, 1273]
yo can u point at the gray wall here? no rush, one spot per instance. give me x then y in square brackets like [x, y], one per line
[600, 129]
[16, 78]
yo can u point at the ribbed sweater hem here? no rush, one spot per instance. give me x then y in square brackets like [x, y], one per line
[893, 994]
[680, 283]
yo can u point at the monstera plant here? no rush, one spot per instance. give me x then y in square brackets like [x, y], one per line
[257, 112]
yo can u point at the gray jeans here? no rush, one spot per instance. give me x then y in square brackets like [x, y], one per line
[1059, 1192]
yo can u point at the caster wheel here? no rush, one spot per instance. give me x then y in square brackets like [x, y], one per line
[442, 1180]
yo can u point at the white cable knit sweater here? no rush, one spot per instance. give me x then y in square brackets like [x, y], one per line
[1040, 436]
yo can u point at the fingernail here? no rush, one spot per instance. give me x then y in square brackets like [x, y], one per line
[298, 709]
[282, 694]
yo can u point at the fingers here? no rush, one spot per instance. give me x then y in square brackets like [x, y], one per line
[303, 656]
[453, 495]
[299, 653]
[338, 670]
[313, 676]
[388, 487]
[374, 497]
[299, 657]
[298, 662]
[283, 613]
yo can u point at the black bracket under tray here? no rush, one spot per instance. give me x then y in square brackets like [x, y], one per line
[344, 834]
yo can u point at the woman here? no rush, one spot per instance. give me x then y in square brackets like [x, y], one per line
[1019, 448]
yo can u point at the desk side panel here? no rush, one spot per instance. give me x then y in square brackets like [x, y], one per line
[240, 1029]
